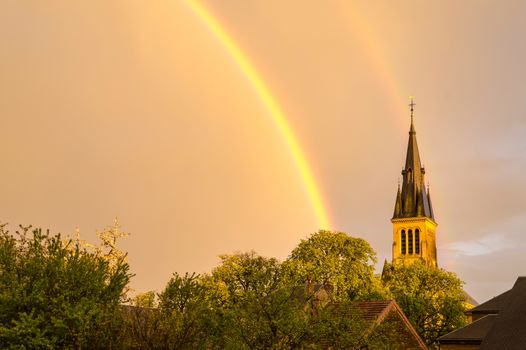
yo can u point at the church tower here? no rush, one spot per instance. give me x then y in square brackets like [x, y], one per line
[413, 221]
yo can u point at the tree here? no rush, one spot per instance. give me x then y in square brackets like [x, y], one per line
[248, 303]
[245, 303]
[335, 258]
[243, 274]
[432, 298]
[250, 298]
[262, 310]
[184, 314]
[54, 293]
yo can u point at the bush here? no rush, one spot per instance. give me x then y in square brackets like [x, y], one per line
[57, 293]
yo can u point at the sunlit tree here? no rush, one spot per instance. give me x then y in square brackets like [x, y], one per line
[432, 298]
[335, 258]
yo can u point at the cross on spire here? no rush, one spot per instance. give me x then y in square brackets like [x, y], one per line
[412, 105]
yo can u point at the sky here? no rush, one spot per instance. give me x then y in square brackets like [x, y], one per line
[139, 110]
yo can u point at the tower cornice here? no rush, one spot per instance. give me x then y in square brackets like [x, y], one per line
[415, 219]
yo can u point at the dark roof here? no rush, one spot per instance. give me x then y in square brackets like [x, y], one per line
[503, 327]
[473, 333]
[509, 331]
[413, 200]
[493, 305]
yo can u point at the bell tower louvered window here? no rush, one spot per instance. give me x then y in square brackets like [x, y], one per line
[410, 241]
[403, 242]
[417, 241]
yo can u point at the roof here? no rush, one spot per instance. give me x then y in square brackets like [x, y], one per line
[413, 200]
[379, 310]
[504, 325]
[508, 331]
[473, 333]
[493, 305]
[374, 310]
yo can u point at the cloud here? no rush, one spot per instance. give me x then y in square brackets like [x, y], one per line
[505, 235]
[482, 246]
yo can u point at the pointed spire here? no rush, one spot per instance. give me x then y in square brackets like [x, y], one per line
[398, 203]
[386, 270]
[432, 215]
[413, 200]
[413, 157]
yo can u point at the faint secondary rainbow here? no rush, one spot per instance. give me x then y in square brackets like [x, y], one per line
[361, 31]
[275, 111]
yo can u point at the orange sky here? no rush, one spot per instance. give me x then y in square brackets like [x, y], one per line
[135, 109]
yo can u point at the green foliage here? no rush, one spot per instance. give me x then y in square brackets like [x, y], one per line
[65, 293]
[235, 307]
[184, 318]
[248, 303]
[56, 294]
[257, 309]
[307, 302]
[246, 274]
[147, 299]
[431, 298]
[335, 258]
[341, 326]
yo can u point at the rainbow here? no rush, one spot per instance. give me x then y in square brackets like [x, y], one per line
[364, 35]
[275, 111]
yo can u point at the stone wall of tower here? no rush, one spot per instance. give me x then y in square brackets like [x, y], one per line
[423, 249]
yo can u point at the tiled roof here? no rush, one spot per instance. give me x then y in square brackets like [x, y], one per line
[379, 310]
[373, 310]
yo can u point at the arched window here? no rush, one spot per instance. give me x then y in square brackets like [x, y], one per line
[403, 242]
[417, 241]
[410, 241]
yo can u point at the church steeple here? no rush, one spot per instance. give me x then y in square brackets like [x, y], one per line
[413, 219]
[414, 199]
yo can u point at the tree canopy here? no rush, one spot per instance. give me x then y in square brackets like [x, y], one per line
[335, 258]
[58, 292]
[432, 298]
[247, 302]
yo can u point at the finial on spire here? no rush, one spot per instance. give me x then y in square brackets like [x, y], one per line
[412, 105]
